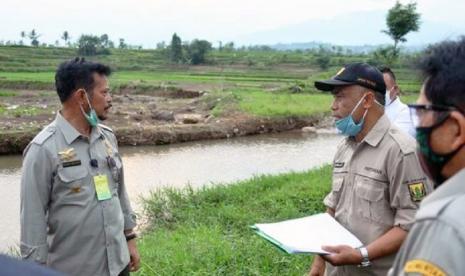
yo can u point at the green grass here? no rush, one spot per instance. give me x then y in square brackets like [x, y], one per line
[242, 80]
[8, 93]
[158, 77]
[262, 103]
[206, 231]
[408, 98]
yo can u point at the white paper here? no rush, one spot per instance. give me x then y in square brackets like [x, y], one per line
[308, 234]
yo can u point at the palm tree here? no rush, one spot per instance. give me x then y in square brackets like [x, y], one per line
[66, 37]
[33, 36]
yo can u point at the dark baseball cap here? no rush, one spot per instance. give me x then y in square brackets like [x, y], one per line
[361, 74]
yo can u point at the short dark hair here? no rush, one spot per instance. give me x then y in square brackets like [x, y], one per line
[387, 70]
[77, 73]
[443, 68]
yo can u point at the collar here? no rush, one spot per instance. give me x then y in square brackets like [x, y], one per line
[376, 134]
[451, 187]
[396, 102]
[71, 134]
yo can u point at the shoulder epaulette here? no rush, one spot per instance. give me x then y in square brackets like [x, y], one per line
[406, 143]
[46, 133]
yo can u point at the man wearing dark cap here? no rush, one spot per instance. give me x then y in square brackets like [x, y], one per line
[377, 180]
[436, 244]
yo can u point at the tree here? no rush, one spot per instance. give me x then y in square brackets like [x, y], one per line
[91, 45]
[197, 51]
[33, 36]
[400, 20]
[122, 44]
[323, 58]
[65, 37]
[229, 47]
[176, 49]
[161, 45]
[23, 36]
[383, 56]
[105, 40]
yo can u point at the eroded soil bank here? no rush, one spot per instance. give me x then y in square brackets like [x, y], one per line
[142, 118]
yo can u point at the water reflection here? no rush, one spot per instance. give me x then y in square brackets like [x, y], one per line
[193, 163]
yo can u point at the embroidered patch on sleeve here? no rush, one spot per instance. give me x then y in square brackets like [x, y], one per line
[424, 268]
[417, 191]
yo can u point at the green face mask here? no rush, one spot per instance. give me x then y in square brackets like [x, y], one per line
[432, 162]
[92, 117]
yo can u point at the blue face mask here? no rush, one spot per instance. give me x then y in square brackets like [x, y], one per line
[92, 117]
[347, 125]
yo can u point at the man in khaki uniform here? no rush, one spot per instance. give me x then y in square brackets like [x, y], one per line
[377, 179]
[436, 243]
[75, 212]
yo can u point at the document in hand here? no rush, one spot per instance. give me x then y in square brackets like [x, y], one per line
[307, 235]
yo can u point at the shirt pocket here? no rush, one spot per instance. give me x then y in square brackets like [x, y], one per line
[338, 183]
[332, 200]
[71, 188]
[371, 200]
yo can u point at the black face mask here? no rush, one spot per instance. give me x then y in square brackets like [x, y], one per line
[432, 162]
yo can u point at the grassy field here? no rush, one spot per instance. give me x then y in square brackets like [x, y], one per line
[262, 103]
[258, 83]
[206, 231]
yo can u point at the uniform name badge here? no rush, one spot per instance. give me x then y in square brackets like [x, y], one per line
[101, 187]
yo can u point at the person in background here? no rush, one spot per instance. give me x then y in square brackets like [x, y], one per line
[397, 111]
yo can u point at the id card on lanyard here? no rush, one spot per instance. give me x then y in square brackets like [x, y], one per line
[101, 187]
[101, 183]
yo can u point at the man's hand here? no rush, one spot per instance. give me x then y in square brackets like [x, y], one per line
[318, 267]
[134, 263]
[342, 255]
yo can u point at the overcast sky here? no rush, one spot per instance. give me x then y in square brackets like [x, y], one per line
[146, 22]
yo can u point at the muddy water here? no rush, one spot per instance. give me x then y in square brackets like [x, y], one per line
[193, 163]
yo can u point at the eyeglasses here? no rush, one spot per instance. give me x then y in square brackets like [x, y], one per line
[429, 115]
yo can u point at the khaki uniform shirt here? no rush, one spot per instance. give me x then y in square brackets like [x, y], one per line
[436, 243]
[63, 224]
[377, 184]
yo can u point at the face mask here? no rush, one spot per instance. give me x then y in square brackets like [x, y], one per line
[431, 162]
[388, 100]
[92, 117]
[347, 126]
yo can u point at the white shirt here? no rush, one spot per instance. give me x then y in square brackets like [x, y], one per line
[399, 114]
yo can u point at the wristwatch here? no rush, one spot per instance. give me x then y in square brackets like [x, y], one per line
[365, 260]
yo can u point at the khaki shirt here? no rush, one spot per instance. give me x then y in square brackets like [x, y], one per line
[436, 243]
[373, 189]
[63, 224]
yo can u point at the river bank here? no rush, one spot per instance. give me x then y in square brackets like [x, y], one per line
[206, 231]
[162, 116]
[15, 142]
